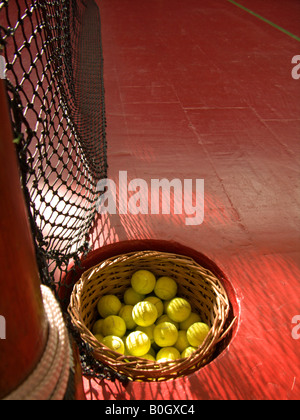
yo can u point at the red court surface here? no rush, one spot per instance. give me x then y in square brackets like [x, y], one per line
[201, 89]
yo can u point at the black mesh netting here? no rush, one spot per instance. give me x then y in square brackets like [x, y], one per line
[54, 71]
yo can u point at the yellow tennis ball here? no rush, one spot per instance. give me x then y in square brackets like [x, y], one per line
[155, 347]
[166, 318]
[126, 314]
[179, 309]
[114, 343]
[149, 357]
[165, 288]
[188, 352]
[138, 343]
[114, 325]
[131, 297]
[147, 330]
[152, 352]
[190, 321]
[99, 337]
[126, 352]
[182, 342]
[109, 305]
[158, 304]
[166, 303]
[165, 334]
[167, 354]
[144, 314]
[143, 282]
[197, 333]
[97, 327]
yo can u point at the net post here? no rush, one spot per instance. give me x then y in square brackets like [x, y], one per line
[21, 303]
[23, 342]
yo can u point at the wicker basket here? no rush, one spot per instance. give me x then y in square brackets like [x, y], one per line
[199, 286]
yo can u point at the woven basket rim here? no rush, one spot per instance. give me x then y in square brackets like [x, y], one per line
[136, 368]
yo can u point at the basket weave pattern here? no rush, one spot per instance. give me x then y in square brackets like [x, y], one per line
[198, 285]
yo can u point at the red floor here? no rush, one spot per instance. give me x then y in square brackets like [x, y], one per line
[203, 90]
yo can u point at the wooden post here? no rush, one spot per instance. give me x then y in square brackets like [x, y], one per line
[21, 305]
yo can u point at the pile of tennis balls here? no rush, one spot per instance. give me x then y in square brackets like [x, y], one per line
[152, 322]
